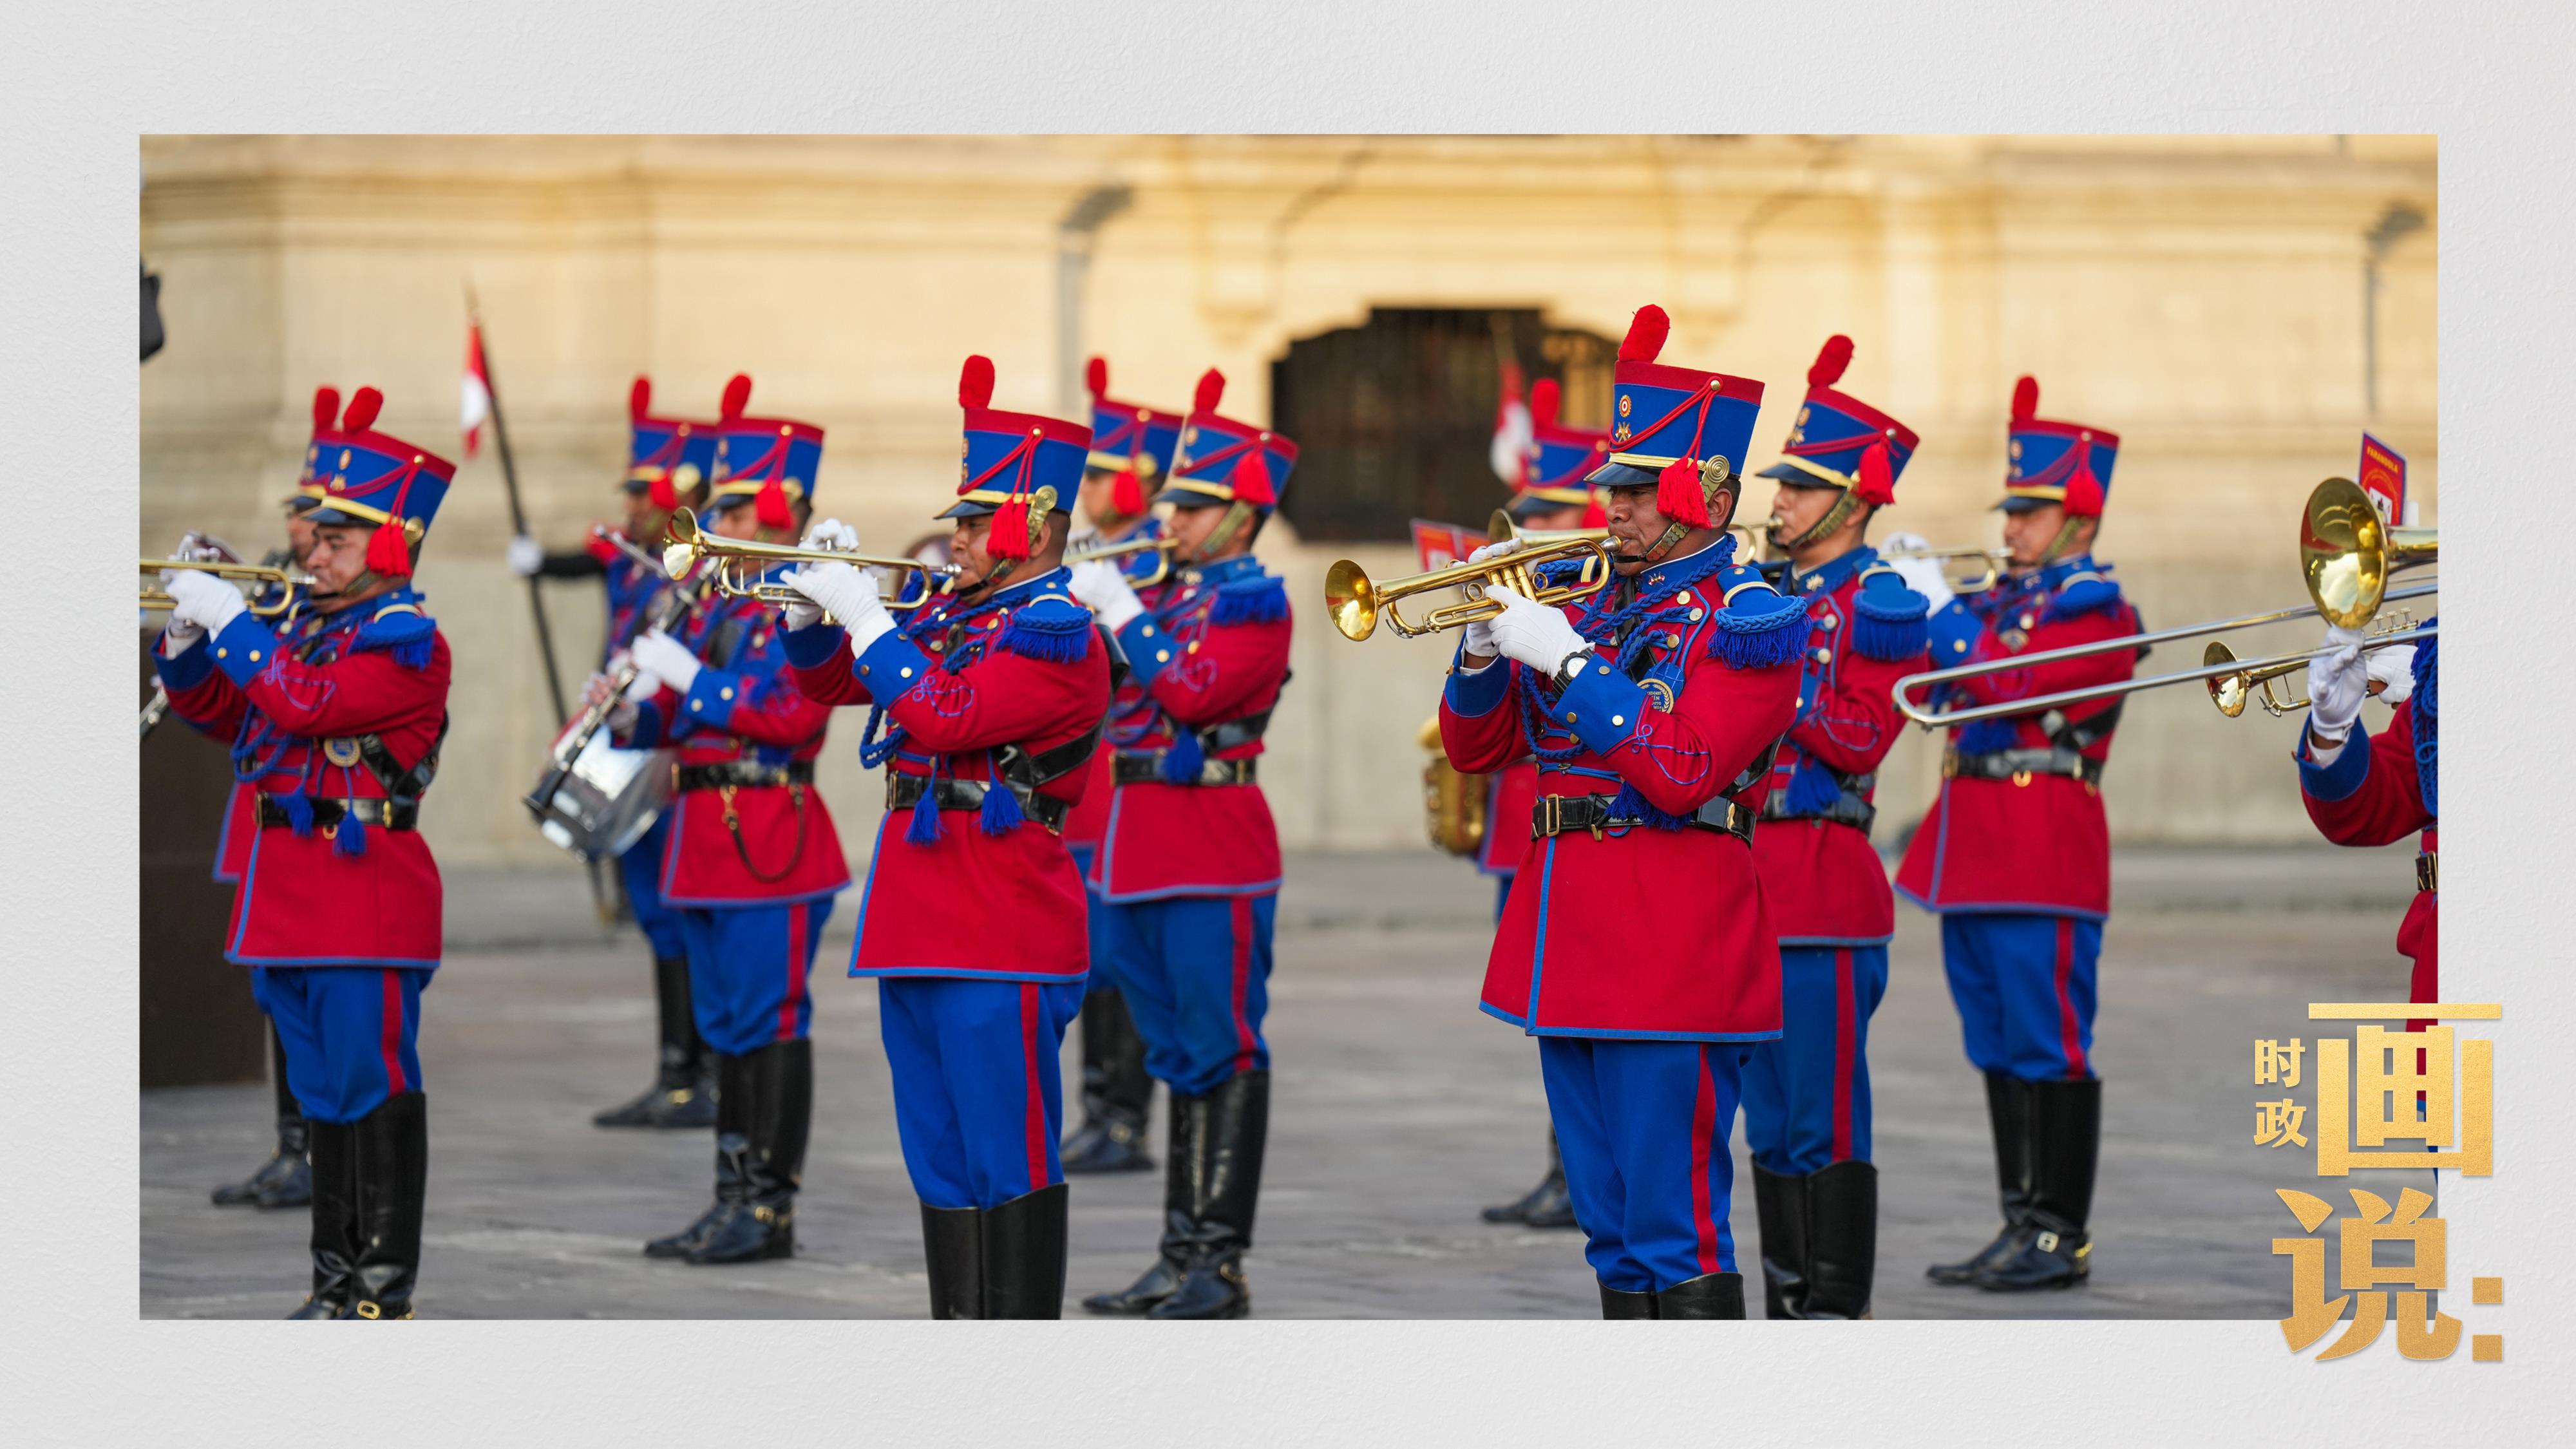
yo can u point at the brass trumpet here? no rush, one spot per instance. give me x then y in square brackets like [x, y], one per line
[288, 587]
[1993, 559]
[1355, 603]
[688, 545]
[1095, 552]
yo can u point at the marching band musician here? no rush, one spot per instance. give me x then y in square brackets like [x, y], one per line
[1806, 1095]
[1189, 869]
[337, 720]
[2015, 855]
[985, 706]
[2380, 788]
[668, 460]
[1131, 455]
[1551, 495]
[752, 861]
[1653, 709]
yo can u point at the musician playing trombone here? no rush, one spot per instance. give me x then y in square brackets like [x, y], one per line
[752, 862]
[2015, 855]
[667, 462]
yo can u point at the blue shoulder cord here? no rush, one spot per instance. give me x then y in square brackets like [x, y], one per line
[1604, 629]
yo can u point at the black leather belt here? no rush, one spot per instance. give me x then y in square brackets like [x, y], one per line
[2019, 765]
[904, 792]
[1557, 814]
[2427, 876]
[1847, 809]
[1137, 767]
[384, 814]
[742, 775]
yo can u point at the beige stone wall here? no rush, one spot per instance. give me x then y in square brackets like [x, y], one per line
[2204, 297]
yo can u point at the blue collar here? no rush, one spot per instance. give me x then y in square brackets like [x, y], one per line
[1223, 571]
[2054, 577]
[1829, 577]
[1012, 596]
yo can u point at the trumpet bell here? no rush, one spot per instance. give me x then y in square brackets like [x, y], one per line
[2346, 552]
[1351, 599]
[2230, 692]
[680, 543]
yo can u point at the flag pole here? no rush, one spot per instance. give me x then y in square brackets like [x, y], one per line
[518, 514]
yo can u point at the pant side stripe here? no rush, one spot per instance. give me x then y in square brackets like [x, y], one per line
[2070, 1033]
[1703, 1129]
[1846, 1057]
[1246, 1046]
[392, 1039]
[795, 994]
[1035, 1109]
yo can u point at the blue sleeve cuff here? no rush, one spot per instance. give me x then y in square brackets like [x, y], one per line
[892, 665]
[187, 669]
[2338, 780]
[814, 645]
[1148, 646]
[1471, 696]
[244, 648]
[711, 698]
[1602, 707]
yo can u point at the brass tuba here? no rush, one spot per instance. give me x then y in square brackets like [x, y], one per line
[1453, 801]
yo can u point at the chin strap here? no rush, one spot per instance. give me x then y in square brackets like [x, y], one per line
[2057, 546]
[1236, 516]
[1835, 517]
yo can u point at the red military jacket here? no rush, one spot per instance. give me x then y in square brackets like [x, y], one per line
[313, 709]
[1821, 879]
[991, 896]
[1514, 789]
[745, 844]
[2380, 789]
[1210, 658]
[1659, 929]
[2036, 842]
[1088, 821]
[240, 829]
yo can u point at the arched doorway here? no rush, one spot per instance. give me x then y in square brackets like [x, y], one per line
[1394, 418]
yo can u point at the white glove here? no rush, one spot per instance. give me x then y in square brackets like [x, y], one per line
[526, 556]
[2393, 670]
[832, 533]
[2338, 681]
[1536, 634]
[205, 601]
[845, 591]
[1104, 590]
[666, 658]
[642, 687]
[1922, 575]
[1480, 640]
[1496, 549]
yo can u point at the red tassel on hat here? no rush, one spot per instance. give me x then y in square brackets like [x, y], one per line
[326, 408]
[769, 505]
[1009, 537]
[1095, 376]
[1831, 359]
[1545, 399]
[2083, 490]
[639, 398]
[975, 383]
[737, 396]
[1251, 480]
[2025, 400]
[1594, 515]
[387, 551]
[1210, 392]
[1646, 334]
[1127, 496]
[1678, 495]
[363, 407]
[1877, 485]
[664, 496]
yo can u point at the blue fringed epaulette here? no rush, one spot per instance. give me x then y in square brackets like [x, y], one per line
[1760, 626]
[2084, 595]
[1259, 600]
[1952, 633]
[401, 630]
[1053, 629]
[1889, 620]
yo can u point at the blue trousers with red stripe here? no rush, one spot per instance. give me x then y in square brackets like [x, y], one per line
[641, 869]
[978, 1100]
[1806, 1094]
[747, 970]
[2025, 988]
[1196, 974]
[351, 1033]
[1644, 1128]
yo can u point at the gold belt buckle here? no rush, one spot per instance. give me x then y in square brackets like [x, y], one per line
[2021, 778]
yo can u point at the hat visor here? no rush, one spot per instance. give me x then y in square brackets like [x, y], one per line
[1529, 505]
[1192, 498]
[965, 508]
[1623, 475]
[323, 515]
[2018, 503]
[1795, 477]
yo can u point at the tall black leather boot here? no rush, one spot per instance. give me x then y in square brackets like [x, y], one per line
[285, 1180]
[1181, 1204]
[2008, 1113]
[1710, 1295]
[1548, 1205]
[1226, 1181]
[762, 1224]
[393, 1179]
[1780, 1207]
[1024, 1244]
[1842, 1240]
[952, 1248]
[1620, 1303]
[1116, 1091]
[733, 1157]
[682, 1091]
[334, 1146]
[2052, 1250]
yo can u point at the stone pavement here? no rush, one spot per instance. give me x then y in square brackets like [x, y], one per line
[1399, 1110]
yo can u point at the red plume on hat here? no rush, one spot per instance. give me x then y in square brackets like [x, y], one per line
[1546, 397]
[1831, 360]
[1095, 376]
[2025, 404]
[1209, 392]
[639, 399]
[326, 408]
[1646, 334]
[737, 396]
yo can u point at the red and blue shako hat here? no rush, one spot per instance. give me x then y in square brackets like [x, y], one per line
[1225, 461]
[2056, 462]
[376, 479]
[1131, 440]
[1560, 458]
[667, 457]
[1840, 441]
[1679, 429]
[1019, 467]
[770, 461]
[315, 479]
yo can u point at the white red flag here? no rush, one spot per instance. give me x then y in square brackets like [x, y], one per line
[1512, 434]
[475, 396]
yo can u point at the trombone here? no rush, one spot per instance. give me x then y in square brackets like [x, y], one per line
[1096, 552]
[642, 557]
[1993, 560]
[1356, 603]
[688, 546]
[2250, 684]
[276, 591]
[2346, 554]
